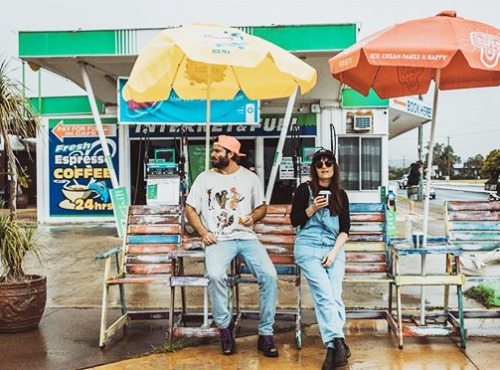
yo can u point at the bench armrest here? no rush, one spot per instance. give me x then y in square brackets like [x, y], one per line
[109, 253]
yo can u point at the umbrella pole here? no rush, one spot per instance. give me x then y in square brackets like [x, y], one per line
[427, 190]
[207, 126]
[281, 143]
[99, 128]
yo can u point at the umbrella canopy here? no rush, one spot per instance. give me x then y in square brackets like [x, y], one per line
[189, 59]
[215, 62]
[403, 59]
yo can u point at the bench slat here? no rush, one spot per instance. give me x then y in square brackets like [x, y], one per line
[402, 280]
[276, 239]
[371, 228]
[150, 259]
[367, 208]
[367, 217]
[455, 205]
[365, 257]
[153, 219]
[474, 225]
[152, 239]
[148, 269]
[470, 236]
[151, 248]
[366, 237]
[140, 280]
[474, 216]
[154, 229]
[274, 229]
[365, 268]
[353, 246]
[156, 210]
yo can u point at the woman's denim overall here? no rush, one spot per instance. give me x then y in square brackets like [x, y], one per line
[312, 243]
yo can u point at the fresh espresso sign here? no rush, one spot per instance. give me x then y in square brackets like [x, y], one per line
[79, 178]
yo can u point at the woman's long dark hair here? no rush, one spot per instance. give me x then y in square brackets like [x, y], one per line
[336, 205]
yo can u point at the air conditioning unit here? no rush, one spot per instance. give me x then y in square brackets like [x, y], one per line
[362, 123]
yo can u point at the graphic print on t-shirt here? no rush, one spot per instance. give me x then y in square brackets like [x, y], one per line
[223, 205]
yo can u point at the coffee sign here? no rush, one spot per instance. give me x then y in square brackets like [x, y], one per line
[79, 178]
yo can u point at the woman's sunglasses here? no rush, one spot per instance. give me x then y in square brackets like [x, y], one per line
[328, 163]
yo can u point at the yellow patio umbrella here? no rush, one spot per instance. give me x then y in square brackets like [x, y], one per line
[205, 61]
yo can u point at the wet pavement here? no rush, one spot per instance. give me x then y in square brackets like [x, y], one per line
[67, 337]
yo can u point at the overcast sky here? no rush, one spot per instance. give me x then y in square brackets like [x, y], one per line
[468, 119]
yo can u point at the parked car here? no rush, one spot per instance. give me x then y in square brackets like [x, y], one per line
[432, 191]
[403, 181]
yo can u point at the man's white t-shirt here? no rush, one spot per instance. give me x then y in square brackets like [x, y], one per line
[221, 199]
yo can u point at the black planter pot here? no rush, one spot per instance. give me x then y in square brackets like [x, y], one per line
[22, 304]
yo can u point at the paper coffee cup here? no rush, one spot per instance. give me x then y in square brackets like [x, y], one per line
[326, 194]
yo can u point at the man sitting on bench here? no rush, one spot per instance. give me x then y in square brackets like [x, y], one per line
[222, 206]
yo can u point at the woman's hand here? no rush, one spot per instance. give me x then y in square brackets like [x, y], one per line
[329, 258]
[320, 202]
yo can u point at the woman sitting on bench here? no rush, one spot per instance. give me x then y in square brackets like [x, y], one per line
[320, 208]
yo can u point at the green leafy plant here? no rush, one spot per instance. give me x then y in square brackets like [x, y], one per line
[18, 240]
[17, 117]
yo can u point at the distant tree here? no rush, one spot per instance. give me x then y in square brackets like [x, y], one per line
[472, 166]
[491, 166]
[444, 158]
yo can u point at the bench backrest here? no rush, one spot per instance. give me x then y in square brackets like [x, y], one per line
[152, 232]
[277, 234]
[474, 225]
[366, 249]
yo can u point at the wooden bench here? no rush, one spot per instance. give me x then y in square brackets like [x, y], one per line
[474, 226]
[152, 234]
[438, 322]
[367, 256]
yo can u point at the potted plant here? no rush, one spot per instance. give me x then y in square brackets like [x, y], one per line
[22, 296]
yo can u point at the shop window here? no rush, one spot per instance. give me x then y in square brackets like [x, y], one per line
[360, 161]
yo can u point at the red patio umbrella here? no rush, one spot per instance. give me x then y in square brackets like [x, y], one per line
[402, 60]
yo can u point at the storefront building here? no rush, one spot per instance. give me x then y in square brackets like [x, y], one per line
[73, 178]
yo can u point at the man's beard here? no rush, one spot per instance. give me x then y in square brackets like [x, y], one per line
[221, 162]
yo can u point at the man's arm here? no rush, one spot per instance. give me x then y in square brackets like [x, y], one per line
[255, 216]
[194, 219]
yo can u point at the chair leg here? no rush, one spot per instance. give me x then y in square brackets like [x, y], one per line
[390, 304]
[463, 332]
[298, 321]
[400, 317]
[171, 314]
[104, 309]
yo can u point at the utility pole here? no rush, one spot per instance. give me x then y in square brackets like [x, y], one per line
[448, 158]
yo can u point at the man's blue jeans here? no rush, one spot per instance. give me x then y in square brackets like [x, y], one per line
[218, 257]
[325, 285]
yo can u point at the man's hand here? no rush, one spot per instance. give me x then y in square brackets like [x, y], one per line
[246, 220]
[208, 238]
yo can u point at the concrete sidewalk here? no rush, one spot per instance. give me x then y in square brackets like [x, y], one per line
[67, 337]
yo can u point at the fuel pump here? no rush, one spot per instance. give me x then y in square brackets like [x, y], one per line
[163, 181]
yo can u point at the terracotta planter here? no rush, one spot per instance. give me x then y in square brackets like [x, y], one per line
[22, 304]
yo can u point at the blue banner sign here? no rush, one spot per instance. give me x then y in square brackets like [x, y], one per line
[177, 111]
